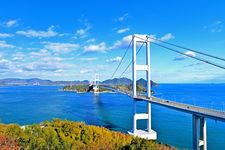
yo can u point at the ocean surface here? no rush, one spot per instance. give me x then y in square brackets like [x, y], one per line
[34, 104]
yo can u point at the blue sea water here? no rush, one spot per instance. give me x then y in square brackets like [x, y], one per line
[34, 104]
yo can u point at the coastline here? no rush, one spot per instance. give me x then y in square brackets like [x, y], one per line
[86, 92]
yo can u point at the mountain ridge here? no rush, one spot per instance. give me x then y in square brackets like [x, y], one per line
[38, 81]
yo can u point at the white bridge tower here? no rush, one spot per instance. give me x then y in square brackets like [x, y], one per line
[149, 133]
[96, 84]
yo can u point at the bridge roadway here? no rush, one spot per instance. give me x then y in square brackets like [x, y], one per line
[197, 110]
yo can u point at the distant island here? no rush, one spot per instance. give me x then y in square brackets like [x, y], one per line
[82, 88]
[59, 134]
[37, 82]
[122, 84]
[46, 82]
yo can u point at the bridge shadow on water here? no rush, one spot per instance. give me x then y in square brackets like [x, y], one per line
[103, 117]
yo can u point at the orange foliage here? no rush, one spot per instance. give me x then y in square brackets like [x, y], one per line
[7, 143]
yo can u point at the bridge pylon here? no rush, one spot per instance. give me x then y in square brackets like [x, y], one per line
[199, 132]
[94, 84]
[149, 133]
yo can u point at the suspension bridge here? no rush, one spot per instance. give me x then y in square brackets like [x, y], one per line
[199, 114]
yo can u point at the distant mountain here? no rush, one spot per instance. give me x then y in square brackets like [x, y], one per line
[32, 81]
[143, 82]
[81, 82]
[64, 83]
[126, 81]
[37, 81]
[118, 81]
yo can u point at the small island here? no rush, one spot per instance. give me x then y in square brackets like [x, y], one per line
[83, 88]
[123, 88]
[128, 88]
[119, 84]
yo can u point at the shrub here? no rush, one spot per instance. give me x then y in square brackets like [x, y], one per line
[65, 135]
[7, 143]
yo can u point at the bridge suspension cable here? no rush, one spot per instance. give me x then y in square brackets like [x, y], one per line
[171, 49]
[131, 61]
[200, 59]
[122, 59]
[182, 47]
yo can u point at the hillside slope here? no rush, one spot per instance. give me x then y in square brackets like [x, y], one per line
[63, 135]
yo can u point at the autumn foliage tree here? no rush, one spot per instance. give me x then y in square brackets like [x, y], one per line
[68, 135]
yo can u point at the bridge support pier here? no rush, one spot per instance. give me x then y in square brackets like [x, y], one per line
[149, 134]
[199, 138]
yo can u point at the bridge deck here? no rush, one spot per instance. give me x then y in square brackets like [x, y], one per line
[200, 111]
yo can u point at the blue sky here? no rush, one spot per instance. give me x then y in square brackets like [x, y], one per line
[72, 40]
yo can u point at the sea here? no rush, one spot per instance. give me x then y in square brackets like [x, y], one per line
[25, 105]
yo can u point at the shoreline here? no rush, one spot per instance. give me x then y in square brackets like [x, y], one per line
[86, 92]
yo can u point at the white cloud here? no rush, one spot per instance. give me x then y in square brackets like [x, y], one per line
[10, 23]
[18, 70]
[92, 40]
[5, 35]
[58, 71]
[217, 26]
[4, 44]
[49, 66]
[124, 42]
[190, 53]
[44, 63]
[101, 47]
[61, 47]
[116, 59]
[45, 66]
[152, 37]
[182, 57]
[167, 37]
[40, 67]
[83, 32]
[194, 64]
[89, 59]
[84, 71]
[124, 17]
[18, 56]
[120, 31]
[39, 34]
[53, 59]
[39, 54]
[4, 64]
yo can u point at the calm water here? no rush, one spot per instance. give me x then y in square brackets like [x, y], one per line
[33, 104]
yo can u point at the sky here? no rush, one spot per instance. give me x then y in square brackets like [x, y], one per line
[74, 40]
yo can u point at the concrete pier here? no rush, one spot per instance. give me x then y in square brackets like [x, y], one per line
[199, 137]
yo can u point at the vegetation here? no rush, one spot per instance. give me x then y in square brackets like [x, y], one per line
[126, 88]
[101, 89]
[67, 135]
[82, 88]
[76, 88]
